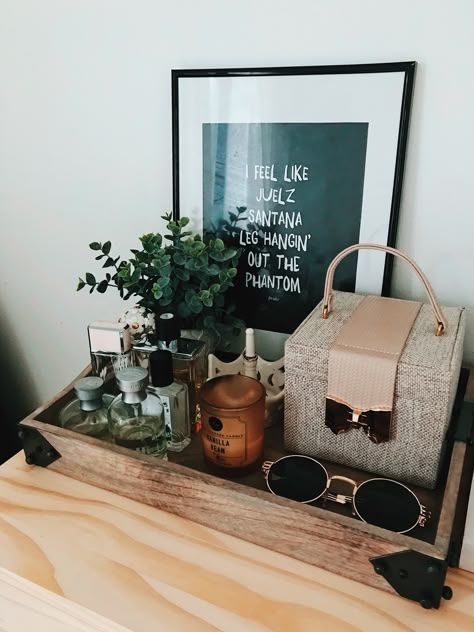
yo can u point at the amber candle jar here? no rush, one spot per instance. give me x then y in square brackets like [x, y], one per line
[233, 419]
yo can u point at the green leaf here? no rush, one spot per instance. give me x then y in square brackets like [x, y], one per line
[229, 253]
[90, 279]
[189, 296]
[213, 270]
[164, 281]
[184, 221]
[80, 284]
[231, 273]
[106, 247]
[157, 293]
[95, 245]
[208, 302]
[183, 275]
[219, 244]
[99, 257]
[135, 276]
[102, 287]
[196, 307]
[215, 287]
[179, 258]
[109, 263]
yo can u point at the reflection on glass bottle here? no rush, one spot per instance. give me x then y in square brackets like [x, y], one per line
[174, 397]
[110, 347]
[136, 415]
[88, 413]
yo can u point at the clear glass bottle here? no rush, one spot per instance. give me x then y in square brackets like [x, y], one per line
[110, 346]
[174, 397]
[88, 413]
[136, 415]
[189, 360]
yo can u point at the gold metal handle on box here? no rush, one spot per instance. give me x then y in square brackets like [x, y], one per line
[441, 323]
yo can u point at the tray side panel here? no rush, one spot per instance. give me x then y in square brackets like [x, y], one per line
[339, 544]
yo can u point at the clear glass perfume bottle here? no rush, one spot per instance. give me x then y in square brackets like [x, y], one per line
[110, 348]
[136, 415]
[88, 413]
[189, 360]
[174, 397]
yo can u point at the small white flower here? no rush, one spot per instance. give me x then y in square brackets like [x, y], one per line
[141, 322]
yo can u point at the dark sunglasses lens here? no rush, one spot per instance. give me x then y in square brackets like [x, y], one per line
[297, 478]
[387, 504]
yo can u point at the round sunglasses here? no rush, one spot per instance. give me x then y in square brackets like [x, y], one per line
[378, 501]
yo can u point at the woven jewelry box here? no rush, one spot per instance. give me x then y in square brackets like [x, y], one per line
[425, 385]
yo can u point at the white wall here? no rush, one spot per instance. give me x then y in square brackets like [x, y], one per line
[85, 142]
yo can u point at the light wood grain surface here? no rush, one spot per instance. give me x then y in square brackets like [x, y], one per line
[149, 570]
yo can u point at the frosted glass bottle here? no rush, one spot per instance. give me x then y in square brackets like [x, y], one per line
[174, 397]
[136, 415]
[88, 413]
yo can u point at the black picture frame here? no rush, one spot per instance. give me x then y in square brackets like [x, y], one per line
[388, 85]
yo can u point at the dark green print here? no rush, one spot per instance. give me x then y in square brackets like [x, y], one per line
[290, 194]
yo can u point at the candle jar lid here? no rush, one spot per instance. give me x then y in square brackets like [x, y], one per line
[232, 392]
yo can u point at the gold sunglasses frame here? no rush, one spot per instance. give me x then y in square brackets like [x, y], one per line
[343, 499]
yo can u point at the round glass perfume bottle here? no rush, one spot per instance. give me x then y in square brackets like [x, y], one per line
[136, 415]
[233, 419]
[88, 413]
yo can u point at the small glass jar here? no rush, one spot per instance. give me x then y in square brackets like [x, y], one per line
[136, 415]
[88, 413]
[233, 419]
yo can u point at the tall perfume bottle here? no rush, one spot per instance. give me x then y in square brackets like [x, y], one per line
[168, 332]
[174, 397]
[88, 413]
[189, 367]
[136, 415]
[110, 346]
[189, 360]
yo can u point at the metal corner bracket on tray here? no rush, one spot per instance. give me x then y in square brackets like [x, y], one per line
[417, 576]
[38, 450]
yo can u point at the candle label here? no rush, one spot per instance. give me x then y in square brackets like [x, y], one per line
[225, 440]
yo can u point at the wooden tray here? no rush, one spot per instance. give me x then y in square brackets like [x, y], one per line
[327, 536]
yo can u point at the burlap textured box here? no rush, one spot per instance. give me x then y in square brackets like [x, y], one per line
[425, 386]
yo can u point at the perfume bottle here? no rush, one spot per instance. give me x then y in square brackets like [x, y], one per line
[168, 332]
[189, 360]
[233, 419]
[136, 415]
[88, 413]
[111, 348]
[174, 397]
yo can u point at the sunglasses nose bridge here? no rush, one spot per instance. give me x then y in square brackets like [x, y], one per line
[342, 498]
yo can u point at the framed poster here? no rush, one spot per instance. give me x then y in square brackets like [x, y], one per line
[293, 165]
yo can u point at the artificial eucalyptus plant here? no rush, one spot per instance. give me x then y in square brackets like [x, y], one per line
[180, 272]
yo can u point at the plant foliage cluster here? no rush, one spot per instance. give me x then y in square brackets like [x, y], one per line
[179, 272]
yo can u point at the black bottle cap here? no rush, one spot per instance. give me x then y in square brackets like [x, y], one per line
[161, 368]
[167, 327]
